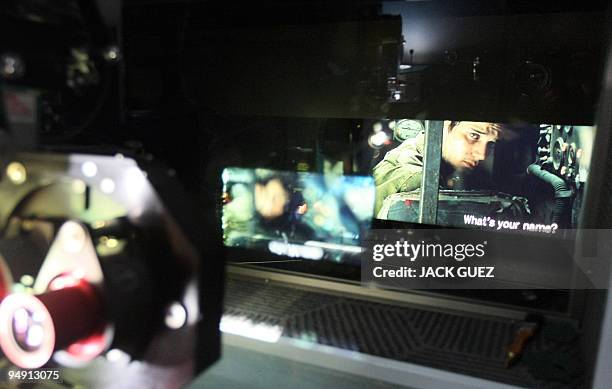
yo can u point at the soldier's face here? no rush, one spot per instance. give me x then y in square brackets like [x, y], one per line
[467, 144]
[270, 199]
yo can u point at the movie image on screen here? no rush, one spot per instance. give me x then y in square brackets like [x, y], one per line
[296, 214]
[493, 176]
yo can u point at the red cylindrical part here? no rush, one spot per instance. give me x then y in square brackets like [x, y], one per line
[4, 288]
[5, 279]
[76, 312]
[33, 327]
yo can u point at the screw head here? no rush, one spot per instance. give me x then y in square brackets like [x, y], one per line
[112, 53]
[11, 66]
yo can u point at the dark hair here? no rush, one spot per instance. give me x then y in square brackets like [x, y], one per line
[495, 127]
[289, 220]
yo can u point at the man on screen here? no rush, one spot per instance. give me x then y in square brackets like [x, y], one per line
[464, 146]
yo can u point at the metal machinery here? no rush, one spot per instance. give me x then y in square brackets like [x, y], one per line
[101, 259]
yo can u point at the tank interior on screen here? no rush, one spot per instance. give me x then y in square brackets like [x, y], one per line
[499, 177]
[525, 177]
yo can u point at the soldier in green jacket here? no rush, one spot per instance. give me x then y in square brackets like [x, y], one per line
[464, 146]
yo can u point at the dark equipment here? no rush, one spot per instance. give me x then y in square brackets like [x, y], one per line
[94, 95]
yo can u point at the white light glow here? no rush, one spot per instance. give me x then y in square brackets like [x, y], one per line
[35, 335]
[334, 246]
[135, 183]
[27, 280]
[295, 250]
[89, 169]
[107, 185]
[176, 316]
[16, 172]
[20, 320]
[116, 355]
[112, 243]
[243, 326]
[379, 139]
